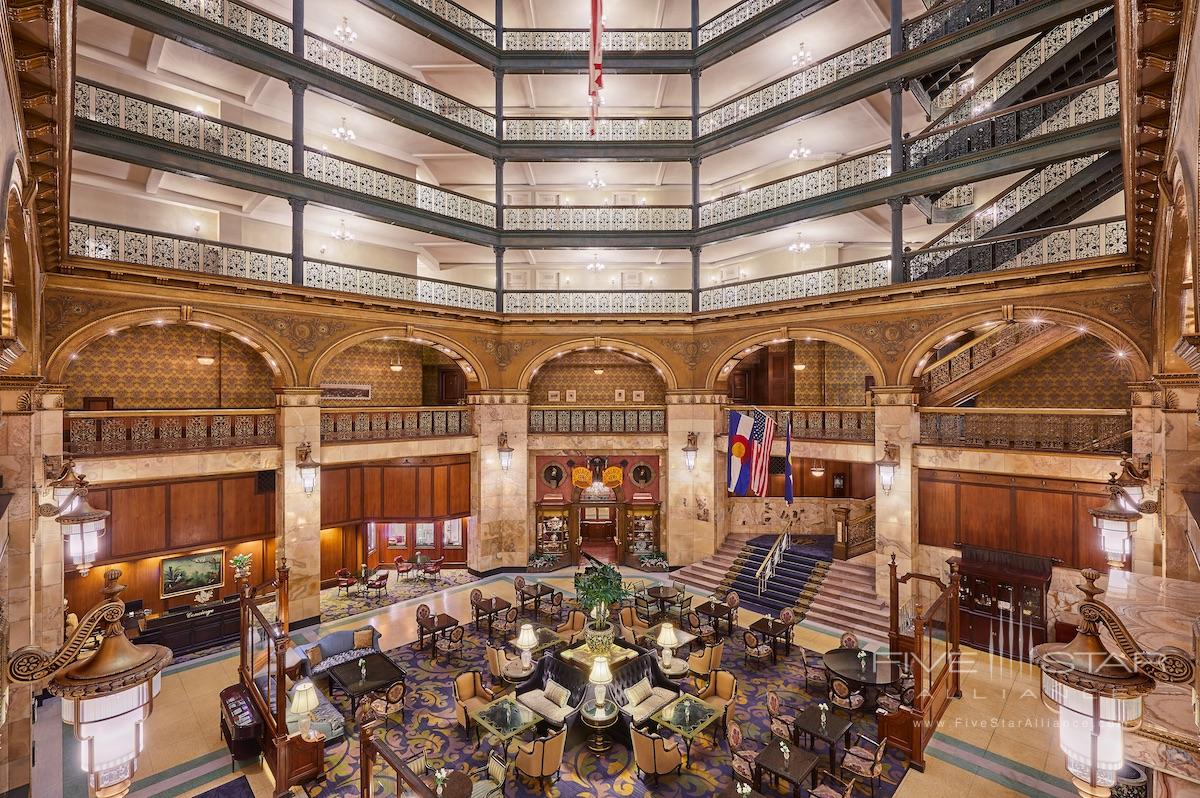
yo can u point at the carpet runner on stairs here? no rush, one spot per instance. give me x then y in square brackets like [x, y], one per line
[796, 579]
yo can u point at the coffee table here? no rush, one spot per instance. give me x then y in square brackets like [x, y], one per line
[795, 768]
[546, 638]
[505, 718]
[381, 673]
[837, 724]
[581, 656]
[514, 672]
[777, 632]
[598, 718]
[678, 668]
[687, 716]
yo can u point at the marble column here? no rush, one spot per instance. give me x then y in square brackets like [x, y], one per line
[500, 499]
[48, 551]
[692, 497]
[1148, 441]
[1174, 445]
[298, 514]
[898, 422]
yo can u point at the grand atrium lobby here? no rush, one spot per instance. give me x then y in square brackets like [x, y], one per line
[600, 399]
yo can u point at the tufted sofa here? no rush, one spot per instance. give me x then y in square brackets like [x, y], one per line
[336, 648]
[531, 691]
[645, 666]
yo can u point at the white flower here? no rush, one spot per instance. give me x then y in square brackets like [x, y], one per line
[823, 707]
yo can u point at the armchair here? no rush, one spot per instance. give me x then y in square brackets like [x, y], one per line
[814, 670]
[345, 580]
[541, 758]
[433, 568]
[830, 786]
[653, 755]
[572, 629]
[496, 660]
[720, 693]
[403, 569]
[781, 717]
[743, 755]
[703, 630]
[470, 695]
[506, 624]
[865, 759]
[631, 620]
[701, 663]
[378, 582]
[451, 645]
[756, 648]
[844, 696]
[489, 780]
[385, 702]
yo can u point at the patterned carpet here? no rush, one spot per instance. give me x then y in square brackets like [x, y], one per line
[430, 725]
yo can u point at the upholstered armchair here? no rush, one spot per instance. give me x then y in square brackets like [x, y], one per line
[814, 668]
[830, 786]
[403, 569]
[345, 580]
[631, 620]
[653, 755]
[720, 692]
[433, 568]
[757, 648]
[865, 759]
[541, 758]
[489, 780]
[781, 717]
[496, 659]
[451, 645]
[903, 693]
[378, 582]
[553, 609]
[701, 663]
[572, 629]
[385, 702]
[700, 628]
[841, 694]
[470, 695]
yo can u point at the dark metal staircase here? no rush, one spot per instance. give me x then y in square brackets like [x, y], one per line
[1070, 199]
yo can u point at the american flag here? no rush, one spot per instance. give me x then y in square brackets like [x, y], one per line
[595, 62]
[762, 436]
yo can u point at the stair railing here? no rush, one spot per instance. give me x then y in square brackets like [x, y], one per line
[772, 560]
[852, 537]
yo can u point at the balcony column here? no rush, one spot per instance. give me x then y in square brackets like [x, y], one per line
[897, 421]
[695, 14]
[298, 88]
[499, 279]
[693, 499]
[695, 279]
[896, 204]
[500, 499]
[298, 28]
[1150, 422]
[298, 514]
[297, 239]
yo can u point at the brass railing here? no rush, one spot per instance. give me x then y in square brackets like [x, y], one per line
[976, 353]
[771, 561]
[820, 423]
[133, 431]
[1033, 428]
[393, 423]
[589, 420]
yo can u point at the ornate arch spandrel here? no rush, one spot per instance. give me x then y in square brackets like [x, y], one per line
[477, 378]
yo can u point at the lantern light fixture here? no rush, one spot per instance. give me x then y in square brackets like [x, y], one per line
[689, 451]
[308, 467]
[595, 265]
[888, 465]
[504, 451]
[341, 233]
[80, 523]
[1115, 521]
[1134, 480]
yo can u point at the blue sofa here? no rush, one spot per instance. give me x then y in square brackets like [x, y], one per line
[336, 648]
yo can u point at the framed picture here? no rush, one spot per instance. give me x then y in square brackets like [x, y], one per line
[424, 535]
[397, 535]
[452, 530]
[553, 396]
[619, 395]
[343, 392]
[639, 396]
[571, 395]
[191, 573]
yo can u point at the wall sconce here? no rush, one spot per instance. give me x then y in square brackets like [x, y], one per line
[80, 523]
[888, 465]
[504, 451]
[1133, 479]
[308, 467]
[1098, 693]
[1115, 521]
[689, 451]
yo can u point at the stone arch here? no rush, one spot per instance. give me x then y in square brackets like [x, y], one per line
[916, 359]
[615, 344]
[724, 363]
[276, 358]
[456, 351]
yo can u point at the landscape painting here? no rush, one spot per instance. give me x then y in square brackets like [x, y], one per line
[191, 573]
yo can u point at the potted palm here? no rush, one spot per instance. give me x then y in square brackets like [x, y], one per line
[598, 591]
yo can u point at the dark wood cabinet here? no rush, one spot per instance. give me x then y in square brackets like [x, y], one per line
[193, 628]
[1002, 600]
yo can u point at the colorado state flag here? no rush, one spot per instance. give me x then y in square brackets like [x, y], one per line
[750, 439]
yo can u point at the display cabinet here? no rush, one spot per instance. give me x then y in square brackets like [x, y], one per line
[1002, 600]
[552, 531]
[642, 536]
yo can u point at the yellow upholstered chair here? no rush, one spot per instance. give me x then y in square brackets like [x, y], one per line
[720, 693]
[497, 658]
[572, 629]
[653, 755]
[701, 663]
[541, 758]
[632, 621]
[470, 695]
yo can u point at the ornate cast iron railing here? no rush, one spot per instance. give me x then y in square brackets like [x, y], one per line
[837, 279]
[598, 217]
[134, 431]
[347, 63]
[459, 17]
[148, 117]
[977, 353]
[241, 18]
[565, 302]
[821, 423]
[393, 423]
[615, 41]
[587, 420]
[1044, 429]
[1048, 245]
[373, 282]
[381, 184]
[607, 129]
[733, 18]
[144, 247]
[853, 536]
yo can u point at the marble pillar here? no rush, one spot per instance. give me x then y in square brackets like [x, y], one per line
[500, 499]
[298, 514]
[1174, 443]
[898, 422]
[692, 496]
[1148, 441]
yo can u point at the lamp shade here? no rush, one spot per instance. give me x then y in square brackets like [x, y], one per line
[110, 728]
[689, 451]
[304, 698]
[81, 526]
[667, 637]
[818, 468]
[600, 671]
[1115, 522]
[526, 639]
[504, 451]
[887, 466]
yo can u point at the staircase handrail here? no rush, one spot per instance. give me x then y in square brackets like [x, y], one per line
[774, 556]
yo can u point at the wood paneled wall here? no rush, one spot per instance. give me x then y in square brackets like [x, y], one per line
[859, 480]
[1047, 517]
[431, 489]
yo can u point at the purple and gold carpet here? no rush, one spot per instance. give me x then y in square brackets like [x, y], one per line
[429, 725]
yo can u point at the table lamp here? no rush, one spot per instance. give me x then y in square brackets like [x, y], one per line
[668, 641]
[527, 642]
[601, 677]
[304, 703]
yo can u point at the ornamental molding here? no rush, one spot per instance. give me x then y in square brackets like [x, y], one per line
[502, 352]
[304, 335]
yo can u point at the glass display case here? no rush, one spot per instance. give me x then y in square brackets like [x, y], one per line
[642, 537]
[1002, 600]
[552, 529]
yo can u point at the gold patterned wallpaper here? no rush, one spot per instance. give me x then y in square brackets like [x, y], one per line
[368, 364]
[1084, 374]
[576, 371]
[155, 368]
[832, 375]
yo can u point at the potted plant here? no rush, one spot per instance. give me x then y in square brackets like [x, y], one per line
[598, 590]
[241, 565]
[655, 561]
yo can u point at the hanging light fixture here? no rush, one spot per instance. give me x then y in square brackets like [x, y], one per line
[341, 233]
[689, 451]
[595, 265]
[504, 451]
[799, 246]
[205, 359]
[802, 57]
[817, 469]
[596, 183]
[308, 467]
[107, 697]
[1097, 693]
[343, 132]
[1134, 479]
[888, 465]
[1115, 521]
[799, 152]
[396, 365]
[344, 33]
[80, 524]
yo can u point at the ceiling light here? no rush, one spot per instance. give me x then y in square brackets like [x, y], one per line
[205, 360]
[344, 33]
[597, 371]
[343, 132]
[799, 151]
[595, 265]
[799, 246]
[396, 367]
[802, 57]
[799, 366]
[341, 233]
[596, 182]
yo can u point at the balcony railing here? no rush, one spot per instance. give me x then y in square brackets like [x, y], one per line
[837, 279]
[459, 17]
[820, 423]
[148, 117]
[1103, 238]
[615, 41]
[241, 18]
[732, 18]
[372, 282]
[598, 217]
[99, 241]
[607, 129]
[1040, 429]
[977, 353]
[604, 302]
[393, 423]
[588, 420]
[134, 431]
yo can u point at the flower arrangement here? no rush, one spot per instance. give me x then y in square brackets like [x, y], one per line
[241, 563]
[655, 560]
[204, 596]
[362, 668]
[862, 660]
[742, 789]
[541, 561]
[783, 749]
[439, 778]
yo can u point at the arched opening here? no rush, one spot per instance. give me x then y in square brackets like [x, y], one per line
[599, 376]
[395, 372]
[805, 372]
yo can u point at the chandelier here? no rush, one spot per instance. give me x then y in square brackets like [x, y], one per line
[595, 265]
[343, 132]
[596, 183]
[799, 246]
[799, 151]
[344, 33]
[341, 233]
[802, 57]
